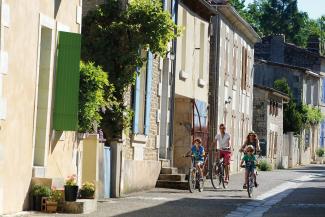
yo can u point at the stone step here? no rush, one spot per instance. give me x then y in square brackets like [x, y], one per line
[172, 177]
[164, 163]
[169, 170]
[81, 206]
[182, 185]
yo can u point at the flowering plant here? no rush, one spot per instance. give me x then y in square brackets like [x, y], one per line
[71, 180]
[55, 196]
[88, 190]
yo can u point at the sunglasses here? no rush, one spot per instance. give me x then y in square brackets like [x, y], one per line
[250, 151]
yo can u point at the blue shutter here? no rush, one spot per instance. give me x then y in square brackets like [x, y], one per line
[323, 91]
[148, 92]
[164, 4]
[174, 12]
[136, 105]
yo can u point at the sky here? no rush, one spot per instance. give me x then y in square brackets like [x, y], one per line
[314, 8]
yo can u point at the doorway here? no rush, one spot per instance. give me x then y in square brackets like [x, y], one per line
[43, 102]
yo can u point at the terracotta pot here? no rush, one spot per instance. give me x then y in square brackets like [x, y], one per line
[51, 206]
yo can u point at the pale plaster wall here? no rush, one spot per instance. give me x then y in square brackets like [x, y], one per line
[21, 40]
[190, 87]
[138, 175]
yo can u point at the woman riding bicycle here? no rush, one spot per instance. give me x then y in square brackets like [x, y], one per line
[198, 153]
[252, 140]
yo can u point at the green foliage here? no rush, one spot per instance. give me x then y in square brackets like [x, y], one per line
[93, 86]
[320, 152]
[292, 117]
[297, 117]
[87, 190]
[270, 17]
[311, 115]
[55, 196]
[41, 190]
[113, 38]
[264, 165]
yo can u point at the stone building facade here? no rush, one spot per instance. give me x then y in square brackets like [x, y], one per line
[268, 123]
[231, 77]
[139, 165]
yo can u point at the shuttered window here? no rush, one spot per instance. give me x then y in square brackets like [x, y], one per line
[67, 82]
[142, 97]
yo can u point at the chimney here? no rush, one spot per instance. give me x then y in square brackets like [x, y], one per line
[313, 44]
[277, 48]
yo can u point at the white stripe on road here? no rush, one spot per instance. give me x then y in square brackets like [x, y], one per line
[265, 201]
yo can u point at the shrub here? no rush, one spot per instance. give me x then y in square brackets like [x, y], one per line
[320, 152]
[41, 190]
[265, 166]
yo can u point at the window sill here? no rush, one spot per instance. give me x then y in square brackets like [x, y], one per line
[139, 138]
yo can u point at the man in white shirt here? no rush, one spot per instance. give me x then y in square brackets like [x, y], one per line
[223, 144]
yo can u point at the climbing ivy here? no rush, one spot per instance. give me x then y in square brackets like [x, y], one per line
[113, 38]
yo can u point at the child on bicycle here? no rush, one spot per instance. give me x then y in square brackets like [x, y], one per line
[250, 163]
[198, 153]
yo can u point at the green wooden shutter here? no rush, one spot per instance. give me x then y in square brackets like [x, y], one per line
[67, 82]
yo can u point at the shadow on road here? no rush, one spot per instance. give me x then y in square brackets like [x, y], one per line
[188, 207]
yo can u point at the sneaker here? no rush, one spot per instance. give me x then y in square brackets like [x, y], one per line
[244, 186]
[255, 183]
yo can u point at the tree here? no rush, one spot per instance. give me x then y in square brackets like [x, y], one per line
[292, 118]
[297, 117]
[113, 36]
[269, 17]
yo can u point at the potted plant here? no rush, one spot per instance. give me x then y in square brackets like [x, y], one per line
[39, 191]
[53, 200]
[87, 190]
[71, 189]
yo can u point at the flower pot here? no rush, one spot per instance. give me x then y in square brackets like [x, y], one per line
[87, 194]
[51, 206]
[37, 203]
[70, 192]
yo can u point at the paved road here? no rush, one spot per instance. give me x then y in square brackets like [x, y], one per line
[285, 193]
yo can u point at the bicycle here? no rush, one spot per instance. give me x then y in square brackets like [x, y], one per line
[250, 179]
[218, 172]
[194, 178]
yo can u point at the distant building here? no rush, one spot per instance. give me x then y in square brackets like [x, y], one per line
[304, 69]
[268, 122]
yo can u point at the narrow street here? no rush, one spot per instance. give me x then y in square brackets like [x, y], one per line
[298, 192]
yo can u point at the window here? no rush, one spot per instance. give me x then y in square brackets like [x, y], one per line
[244, 69]
[202, 50]
[142, 97]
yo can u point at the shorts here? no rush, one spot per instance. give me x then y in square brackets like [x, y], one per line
[199, 163]
[250, 169]
[226, 156]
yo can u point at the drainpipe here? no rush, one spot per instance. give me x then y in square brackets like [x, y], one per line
[172, 99]
[214, 81]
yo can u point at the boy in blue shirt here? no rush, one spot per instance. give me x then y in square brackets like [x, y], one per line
[198, 154]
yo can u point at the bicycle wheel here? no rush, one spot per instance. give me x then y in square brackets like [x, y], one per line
[250, 185]
[192, 180]
[222, 175]
[214, 176]
[201, 185]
